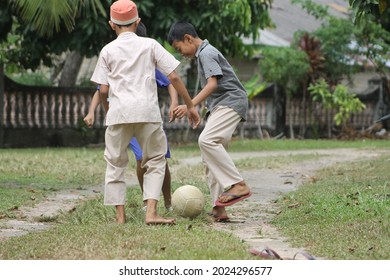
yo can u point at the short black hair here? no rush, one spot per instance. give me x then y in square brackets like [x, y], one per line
[141, 30]
[123, 25]
[179, 29]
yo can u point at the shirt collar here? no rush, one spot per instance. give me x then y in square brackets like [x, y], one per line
[202, 46]
[126, 34]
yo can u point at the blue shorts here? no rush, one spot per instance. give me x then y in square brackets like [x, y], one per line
[136, 148]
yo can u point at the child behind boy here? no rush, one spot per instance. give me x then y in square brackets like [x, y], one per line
[227, 105]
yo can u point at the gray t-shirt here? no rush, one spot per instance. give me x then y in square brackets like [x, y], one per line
[230, 92]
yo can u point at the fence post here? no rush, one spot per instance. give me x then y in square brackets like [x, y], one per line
[280, 110]
[1, 104]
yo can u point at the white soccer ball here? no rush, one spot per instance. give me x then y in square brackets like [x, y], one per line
[188, 201]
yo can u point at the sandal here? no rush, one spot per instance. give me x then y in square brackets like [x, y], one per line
[268, 253]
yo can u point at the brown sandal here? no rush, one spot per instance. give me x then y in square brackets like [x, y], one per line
[268, 253]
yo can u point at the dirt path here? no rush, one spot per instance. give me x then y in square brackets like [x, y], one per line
[250, 218]
[254, 214]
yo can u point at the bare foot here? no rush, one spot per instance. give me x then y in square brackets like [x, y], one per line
[151, 217]
[120, 214]
[237, 190]
[219, 214]
[218, 211]
[157, 220]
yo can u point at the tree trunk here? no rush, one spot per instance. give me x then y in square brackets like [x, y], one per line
[329, 123]
[280, 110]
[302, 125]
[71, 69]
[290, 116]
[1, 104]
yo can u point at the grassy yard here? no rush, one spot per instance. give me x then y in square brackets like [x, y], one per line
[343, 214]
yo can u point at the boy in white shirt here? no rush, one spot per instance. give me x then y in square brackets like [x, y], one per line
[127, 66]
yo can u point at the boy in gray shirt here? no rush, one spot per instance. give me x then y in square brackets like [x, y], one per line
[227, 106]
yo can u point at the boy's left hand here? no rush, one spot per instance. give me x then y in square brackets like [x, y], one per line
[89, 120]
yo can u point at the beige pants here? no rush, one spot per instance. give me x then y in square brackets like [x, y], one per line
[213, 142]
[152, 140]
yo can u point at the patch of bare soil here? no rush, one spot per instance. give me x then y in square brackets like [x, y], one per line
[250, 218]
[28, 219]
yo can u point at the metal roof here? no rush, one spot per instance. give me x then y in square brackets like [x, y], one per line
[290, 18]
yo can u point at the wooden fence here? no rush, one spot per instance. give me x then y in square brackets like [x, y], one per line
[48, 116]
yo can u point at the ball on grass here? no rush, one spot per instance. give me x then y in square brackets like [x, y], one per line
[188, 201]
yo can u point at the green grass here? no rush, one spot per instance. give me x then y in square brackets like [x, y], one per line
[342, 214]
[246, 145]
[90, 233]
[12, 199]
[272, 162]
[29, 175]
[272, 145]
[48, 168]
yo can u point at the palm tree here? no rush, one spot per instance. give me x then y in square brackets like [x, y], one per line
[52, 17]
[47, 16]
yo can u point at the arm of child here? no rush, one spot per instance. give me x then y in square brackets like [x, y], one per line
[192, 113]
[104, 96]
[174, 101]
[208, 89]
[100, 95]
[90, 117]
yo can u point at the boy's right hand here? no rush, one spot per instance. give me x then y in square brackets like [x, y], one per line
[180, 111]
[89, 119]
[193, 117]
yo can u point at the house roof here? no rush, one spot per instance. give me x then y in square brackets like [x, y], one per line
[290, 18]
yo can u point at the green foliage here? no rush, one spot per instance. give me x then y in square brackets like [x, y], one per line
[285, 66]
[316, 10]
[47, 16]
[347, 104]
[373, 44]
[233, 20]
[56, 26]
[345, 46]
[5, 19]
[344, 102]
[336, 37]
[254, 86]
[373, 10]
[9, 52]
[52, 28]
[32, 79]
[52, 16]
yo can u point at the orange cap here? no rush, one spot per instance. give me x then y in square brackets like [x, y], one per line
[123, 12]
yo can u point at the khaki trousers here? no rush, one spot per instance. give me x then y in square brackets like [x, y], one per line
[152, 140]
[213, 142]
